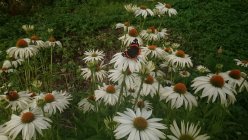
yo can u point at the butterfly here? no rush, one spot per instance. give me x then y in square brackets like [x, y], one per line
[133, 51]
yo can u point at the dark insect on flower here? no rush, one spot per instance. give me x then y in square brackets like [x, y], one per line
[133, 51]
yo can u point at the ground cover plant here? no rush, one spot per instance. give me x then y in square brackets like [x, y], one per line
[174, 69]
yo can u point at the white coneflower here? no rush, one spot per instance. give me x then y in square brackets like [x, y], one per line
[22, 50]
[51, 102]
[131, 91]
[242, 63]
[126, 26]
[87, 104]
[108, 93]
[166, 8]
[175, 45]
[28, 28]
[178, 96]
[157, 12]
[187, 131]
[162, 34]
[168, 66]
[233, 78]
[29, 123]
[35, 41]
[50, 30]
[180, 59]
[12, 63]
[154, 51]
[202, 69]
[150, 86]
[137, 125]
[93, 56]
[100, 73]
[142, 104]
[132, 35]
[147, 68]
[117, 75]
[184, 73]
[123, 62]
[110, 123]
[169, 50]
[152, 34]
[158, 74]
[131, 8]
[143, 11]
[6, 68]
[213, 86]
[17, 100]
[52, 42]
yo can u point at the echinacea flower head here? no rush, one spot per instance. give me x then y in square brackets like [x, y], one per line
[12, 62]
[169, 50]
[180, 59]
[87, 104]
[142, 104]
[131, 8]
[130, 37]
[150, 86]
[153, 51]
[35, 40]
[7, 67]
[166, 8]
[178, 96]
[153, 34]
[126, 26]
[93, 56]
[99, 72]
[162, 34]
[29, 123]
[130, 59]
[187, 131]
[50, 30]
[233, 78]
[136, 125]
[143, 11]
[147, 68]
[242, 63]
[110, 123]
[22, 50]
[213, 86]
[150, 34]
[118, 75]
[52, 42]
[131, 91]
[157, 12]
[108, 94]
[184, 73]
[202, 69]
[51, 102]
[17, 101]
[28, 28]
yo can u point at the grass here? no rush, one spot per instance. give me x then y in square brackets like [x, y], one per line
[200, 27]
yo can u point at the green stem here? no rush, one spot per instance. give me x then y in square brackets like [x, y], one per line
[51, 59]
[121, 92]
[138, 94]
[243, 82]
[143, 24]
[93, 81]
